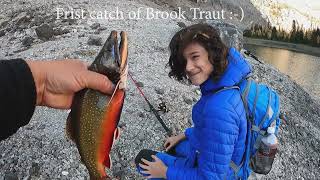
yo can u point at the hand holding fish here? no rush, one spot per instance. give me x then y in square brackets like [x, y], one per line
[57, 81]
[156, 169]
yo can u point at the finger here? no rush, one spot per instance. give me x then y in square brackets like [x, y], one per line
[167, 143]
[144, 166]
[59, 101]
[150, 177]
[155, 158]
[146, 161]
[168, 148]
[145, 172]
[98, 82]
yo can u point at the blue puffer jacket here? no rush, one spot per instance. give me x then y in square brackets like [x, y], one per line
[220, 126]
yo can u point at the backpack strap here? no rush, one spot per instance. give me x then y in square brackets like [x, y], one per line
[268, 108]
[235, 168]
[254, 127]
[226, 88]
[255, 102]
[244, 97]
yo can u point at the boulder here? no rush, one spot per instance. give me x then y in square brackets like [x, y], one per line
[229, 33]
[45, 32]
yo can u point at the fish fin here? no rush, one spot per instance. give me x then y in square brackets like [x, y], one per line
[69, 128]
[116, 134]
[107, 162]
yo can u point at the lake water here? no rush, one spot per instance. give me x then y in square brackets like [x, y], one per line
[303, 68]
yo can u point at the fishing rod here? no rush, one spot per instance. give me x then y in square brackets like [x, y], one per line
[248, 53]
[155, 112]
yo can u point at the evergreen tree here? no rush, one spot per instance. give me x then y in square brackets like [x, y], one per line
[293, 32]
[297, 34]
[274, 34]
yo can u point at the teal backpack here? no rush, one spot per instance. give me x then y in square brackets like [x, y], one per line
[262, 107]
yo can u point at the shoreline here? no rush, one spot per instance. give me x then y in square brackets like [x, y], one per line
[300, 48]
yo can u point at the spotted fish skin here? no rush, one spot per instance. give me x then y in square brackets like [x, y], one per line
[92, 122]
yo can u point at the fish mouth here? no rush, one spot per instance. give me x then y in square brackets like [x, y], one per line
[123, 59]
[112, 59]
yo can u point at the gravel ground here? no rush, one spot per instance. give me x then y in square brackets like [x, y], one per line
[41, 150]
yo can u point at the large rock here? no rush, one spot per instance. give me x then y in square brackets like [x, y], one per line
[44, 32]
[3, 23]
[22, 20]
[37, 21]
[10, 176]
[229, 33]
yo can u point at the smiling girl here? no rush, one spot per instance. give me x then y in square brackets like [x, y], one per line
[218, 136]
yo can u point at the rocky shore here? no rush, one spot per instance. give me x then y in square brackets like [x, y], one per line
[302, 48]
[41, 150]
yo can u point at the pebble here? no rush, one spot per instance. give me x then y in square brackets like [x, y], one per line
[94, 40]
[198, 92]
[102, 28]
[35, 169]
[181, 24]
[81, 35]
[65, 173]
[27, 41]
[159, 90]
[95, 25]
[141, 114]
[187, 100]
[60, 31]
[140, 84]
[2, 33]
[44, 32]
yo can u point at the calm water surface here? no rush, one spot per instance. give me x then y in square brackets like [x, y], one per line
[303, 68]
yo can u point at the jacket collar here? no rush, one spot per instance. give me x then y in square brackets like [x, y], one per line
[237, 69]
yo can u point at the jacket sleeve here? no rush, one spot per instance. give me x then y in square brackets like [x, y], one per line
[17, 94]
[218, 135]
[188, 132]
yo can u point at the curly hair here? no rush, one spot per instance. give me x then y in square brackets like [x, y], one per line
[208, 37]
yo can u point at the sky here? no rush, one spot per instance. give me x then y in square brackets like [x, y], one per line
[309, 6]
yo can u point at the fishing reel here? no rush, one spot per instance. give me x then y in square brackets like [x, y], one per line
[163, 107]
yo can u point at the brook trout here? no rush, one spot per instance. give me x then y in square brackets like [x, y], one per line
[92, 122]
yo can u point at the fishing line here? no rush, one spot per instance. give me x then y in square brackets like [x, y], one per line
[155, 112]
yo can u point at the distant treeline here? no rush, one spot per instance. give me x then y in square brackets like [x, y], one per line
[297, 34]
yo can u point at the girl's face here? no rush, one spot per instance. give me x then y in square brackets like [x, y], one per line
[198, 67]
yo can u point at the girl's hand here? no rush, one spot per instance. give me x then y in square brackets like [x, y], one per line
[156, 169]
[174, 140]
